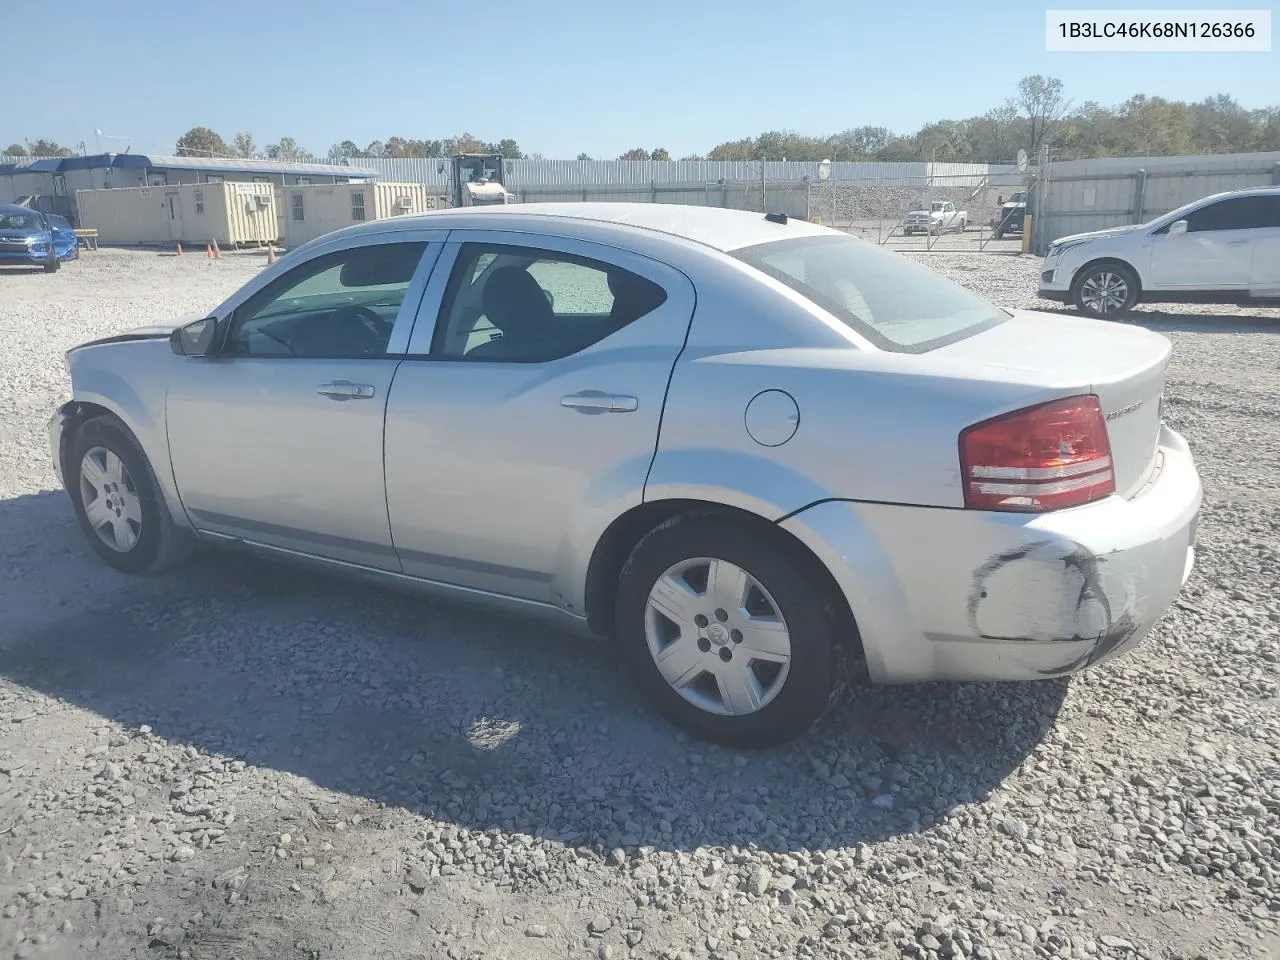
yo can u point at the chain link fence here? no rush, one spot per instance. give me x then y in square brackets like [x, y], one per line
[952, 213]
[876, 210]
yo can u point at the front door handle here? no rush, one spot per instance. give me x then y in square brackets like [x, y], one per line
[597, 401]
[345, 390]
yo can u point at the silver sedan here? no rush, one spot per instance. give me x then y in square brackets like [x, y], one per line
[755, 453]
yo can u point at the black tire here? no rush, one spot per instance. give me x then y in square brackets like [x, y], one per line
[999, 234]
[1098, 277]
[52, 264]
[160, 544]
[818, 671]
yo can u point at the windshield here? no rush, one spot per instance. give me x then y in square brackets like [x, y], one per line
[20, 221]
[894, 302]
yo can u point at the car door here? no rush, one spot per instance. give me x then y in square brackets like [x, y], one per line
[1264, 276]
[528, 407]
[1216, 252]
[277, 439]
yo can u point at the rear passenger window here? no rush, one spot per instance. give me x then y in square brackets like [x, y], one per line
[525, 305]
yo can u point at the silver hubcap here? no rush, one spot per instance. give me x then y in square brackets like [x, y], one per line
[717, 637]
[110, 500]
[1104, 292]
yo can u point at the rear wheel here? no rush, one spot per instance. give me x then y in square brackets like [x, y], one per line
[117, 500]
[728, 631]
[1106, 291]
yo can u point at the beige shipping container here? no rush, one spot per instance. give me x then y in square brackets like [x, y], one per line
[313, 210]
[193, 214]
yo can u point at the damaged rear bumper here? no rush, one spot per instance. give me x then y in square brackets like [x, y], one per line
[948, 594]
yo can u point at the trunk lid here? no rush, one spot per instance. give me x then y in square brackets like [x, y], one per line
[1123, 365]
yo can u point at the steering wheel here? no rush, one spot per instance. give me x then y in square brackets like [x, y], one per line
[378, 329]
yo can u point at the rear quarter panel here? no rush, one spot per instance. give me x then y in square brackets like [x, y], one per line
[872, 426]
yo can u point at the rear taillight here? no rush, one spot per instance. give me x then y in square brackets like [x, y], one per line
[1042, 458]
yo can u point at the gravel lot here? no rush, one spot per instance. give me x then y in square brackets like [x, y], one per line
[241, 760]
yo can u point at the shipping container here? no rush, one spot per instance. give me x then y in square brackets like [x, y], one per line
[313, 211]
[194, 214]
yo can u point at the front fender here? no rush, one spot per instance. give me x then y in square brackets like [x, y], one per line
[130, 381]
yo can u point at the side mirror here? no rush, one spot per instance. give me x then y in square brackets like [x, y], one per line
[195, 339]
[1177, 228]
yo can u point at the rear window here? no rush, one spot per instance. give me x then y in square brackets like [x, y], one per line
[894, 302]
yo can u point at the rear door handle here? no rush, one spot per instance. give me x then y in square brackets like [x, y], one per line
[345, 390]
[597, 401]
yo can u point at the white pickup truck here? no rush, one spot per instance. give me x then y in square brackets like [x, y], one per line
[941, 216]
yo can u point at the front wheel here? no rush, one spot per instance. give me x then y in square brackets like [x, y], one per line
[51, 265]
[728, 631]
[117, 500]
[1105, 291]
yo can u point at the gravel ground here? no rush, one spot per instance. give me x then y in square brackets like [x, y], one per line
[240, 760]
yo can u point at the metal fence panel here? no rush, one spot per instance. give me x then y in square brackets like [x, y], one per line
[1085, 195]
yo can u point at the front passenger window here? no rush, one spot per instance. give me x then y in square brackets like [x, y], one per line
[1236, 213]
[341, 305]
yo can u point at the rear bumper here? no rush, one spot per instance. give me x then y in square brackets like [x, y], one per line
[947, 594]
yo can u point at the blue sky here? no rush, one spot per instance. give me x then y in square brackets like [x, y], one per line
[560, 76]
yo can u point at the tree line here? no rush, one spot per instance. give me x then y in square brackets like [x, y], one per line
[1039, 113]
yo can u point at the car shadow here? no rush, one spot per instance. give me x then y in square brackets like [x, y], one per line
[469, 717]
[1164, 321]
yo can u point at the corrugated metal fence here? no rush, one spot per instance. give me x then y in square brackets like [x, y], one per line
[1084, 195]
[592, 173]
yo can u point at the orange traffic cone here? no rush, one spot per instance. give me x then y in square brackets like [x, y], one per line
[271, 254]
[179, 249]
[208, 250]
[217, 254]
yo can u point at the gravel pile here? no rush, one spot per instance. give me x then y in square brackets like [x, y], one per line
[243, 760]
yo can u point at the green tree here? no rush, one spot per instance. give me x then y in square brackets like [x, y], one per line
[635, 153]
[201, 142]
[1044, 104]
[508, 148]
[286, 148]
[243, 145]
[49, 148]
[660, 153]
[344, 150]
[463, 143]
[583, 156]
[15, 150]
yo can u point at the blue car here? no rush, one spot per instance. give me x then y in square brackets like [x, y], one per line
[35, 238]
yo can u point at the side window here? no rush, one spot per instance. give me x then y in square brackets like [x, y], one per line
[199, 198]
[343, 304]
[357, 204]
[525, 305]
[1236, 213]
[295, 200]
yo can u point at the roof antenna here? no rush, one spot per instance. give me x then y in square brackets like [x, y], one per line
[776, 218]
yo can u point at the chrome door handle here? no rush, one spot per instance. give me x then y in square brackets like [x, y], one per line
[1238, 243]
[597, 401]
[345, 390]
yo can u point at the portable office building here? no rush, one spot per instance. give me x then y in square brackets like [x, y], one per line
[233, 214]
[312, 211]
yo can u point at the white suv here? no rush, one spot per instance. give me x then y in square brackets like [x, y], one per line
[1220, 249]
